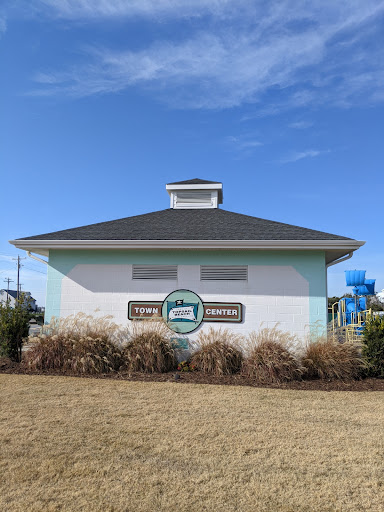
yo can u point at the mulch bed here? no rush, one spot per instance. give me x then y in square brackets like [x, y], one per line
[8, 366]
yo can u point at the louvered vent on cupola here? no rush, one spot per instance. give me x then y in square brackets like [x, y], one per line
[196, 193]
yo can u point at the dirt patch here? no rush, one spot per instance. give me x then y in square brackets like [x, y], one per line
[8, 366]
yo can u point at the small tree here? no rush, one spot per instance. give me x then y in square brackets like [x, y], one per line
[14, 325]
[375, 303]
[373, 346]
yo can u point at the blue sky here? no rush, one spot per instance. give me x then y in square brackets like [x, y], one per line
[105, 101]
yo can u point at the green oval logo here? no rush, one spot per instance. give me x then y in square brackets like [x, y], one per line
[183, 311]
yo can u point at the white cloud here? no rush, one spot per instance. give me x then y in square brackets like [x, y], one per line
[299, 155]
[244, 144]
[276, 56]
[96, 9]
[300, 125]
[3, 25]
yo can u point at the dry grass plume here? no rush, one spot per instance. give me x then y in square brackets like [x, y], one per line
[217, 352]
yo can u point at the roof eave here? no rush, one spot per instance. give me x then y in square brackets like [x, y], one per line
[42, 247]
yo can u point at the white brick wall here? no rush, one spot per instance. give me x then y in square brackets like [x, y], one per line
[272, 294]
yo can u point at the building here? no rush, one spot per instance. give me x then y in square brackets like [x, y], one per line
[193, 263]
[10, 296]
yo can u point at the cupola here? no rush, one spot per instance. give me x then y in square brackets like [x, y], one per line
[195, 193]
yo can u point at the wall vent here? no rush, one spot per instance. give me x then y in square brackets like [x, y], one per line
[223, 273]
[154, 272]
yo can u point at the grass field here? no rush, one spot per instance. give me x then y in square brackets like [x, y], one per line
[70, 444]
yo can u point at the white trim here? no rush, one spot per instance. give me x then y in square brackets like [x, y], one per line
[345, 258]
[36, 258]
[30, 245]
[196, 186]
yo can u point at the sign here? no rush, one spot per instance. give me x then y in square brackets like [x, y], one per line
[222, 312]
[184, 311]
[138, 310]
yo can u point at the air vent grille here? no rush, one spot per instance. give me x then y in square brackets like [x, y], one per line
[223, 273]
[193, 197]
[154, 272]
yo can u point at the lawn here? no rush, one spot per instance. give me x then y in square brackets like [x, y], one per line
[74, 444]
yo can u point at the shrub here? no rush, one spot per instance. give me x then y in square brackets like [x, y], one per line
[373, 347]
[269, 359]
[77, 344]
[149, 348]
[13, 328]
[328, 359]
[217, 352]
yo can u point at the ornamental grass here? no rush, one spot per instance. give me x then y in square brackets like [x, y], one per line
[217, 352]
[79, 344]
[269, 357]
[149, 348]
[328, 359]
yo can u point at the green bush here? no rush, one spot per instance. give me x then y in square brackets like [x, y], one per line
[328, 359]
[373, 347]
[13, 328]
[217, 352]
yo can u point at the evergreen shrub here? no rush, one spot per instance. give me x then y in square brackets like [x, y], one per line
[373, 347]
[14, 325]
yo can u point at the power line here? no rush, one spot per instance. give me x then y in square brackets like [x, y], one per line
[34, 270]
[5, 270]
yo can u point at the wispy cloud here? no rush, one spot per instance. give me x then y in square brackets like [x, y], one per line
[101, 9]
[243, 143]
[300, 155]
[3, 25]
[300, 125]
[276, 56]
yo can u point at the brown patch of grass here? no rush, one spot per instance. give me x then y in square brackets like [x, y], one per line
[269, 358]
[328, 359]
[216, 352]
[81, 445]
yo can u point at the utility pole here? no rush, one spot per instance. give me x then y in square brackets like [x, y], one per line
[8, 280]
[18, 275]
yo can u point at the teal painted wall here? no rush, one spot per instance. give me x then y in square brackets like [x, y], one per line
[310, 264]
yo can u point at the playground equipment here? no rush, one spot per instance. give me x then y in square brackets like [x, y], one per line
[349, 314]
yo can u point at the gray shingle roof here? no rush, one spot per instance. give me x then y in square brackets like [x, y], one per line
[195, 181]
[13, 293]
[199, 224]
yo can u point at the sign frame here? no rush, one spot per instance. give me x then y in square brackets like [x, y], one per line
[207, 305]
